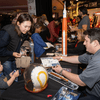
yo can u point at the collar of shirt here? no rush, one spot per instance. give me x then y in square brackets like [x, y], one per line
[97, 53]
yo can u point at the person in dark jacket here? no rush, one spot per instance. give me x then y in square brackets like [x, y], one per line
[11, 39]
[79, 49]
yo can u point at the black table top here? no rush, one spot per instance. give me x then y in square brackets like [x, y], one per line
[73, 67]
[17, 91]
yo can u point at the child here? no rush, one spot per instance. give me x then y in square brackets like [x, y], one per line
[6, 81]
[39, 44]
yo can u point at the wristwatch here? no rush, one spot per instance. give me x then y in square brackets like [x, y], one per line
[61, 71]
[61, 59]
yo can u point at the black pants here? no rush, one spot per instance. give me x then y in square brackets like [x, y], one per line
[89, 97]
[85, 96]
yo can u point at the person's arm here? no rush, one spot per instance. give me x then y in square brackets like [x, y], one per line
[72, 77]
[5, 83]
[84, 27]
[11, 80]
[70, 59]
[37, 38]
[85, 23]
[4, 41]
[73, 28]
[17, 55]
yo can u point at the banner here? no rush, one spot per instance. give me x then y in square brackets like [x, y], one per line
[31, 7]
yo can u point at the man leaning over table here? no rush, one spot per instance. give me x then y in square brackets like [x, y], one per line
[90, 77]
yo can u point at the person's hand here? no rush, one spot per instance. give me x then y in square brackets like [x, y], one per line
[57, 68]
[69, 39]
[11, 74]
[57, 57]
[72, 29]
[17, 55]
[49, 44]
[15, 74]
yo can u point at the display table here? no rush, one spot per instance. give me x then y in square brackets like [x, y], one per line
[17, 91]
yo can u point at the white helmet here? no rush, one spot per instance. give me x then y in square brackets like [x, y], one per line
[38, 79]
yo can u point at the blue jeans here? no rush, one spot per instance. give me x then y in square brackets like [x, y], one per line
[8, 67]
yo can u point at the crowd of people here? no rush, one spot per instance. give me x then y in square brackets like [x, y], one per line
[39, 30]
[89, 78]
[12, 36]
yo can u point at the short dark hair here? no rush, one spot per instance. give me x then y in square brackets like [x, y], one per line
[83, 10]
[93, 34]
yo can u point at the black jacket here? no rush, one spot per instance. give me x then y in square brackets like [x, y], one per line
[9, 41]
[80, 49]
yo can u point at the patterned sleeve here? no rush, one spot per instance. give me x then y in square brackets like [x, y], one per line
[3, 84]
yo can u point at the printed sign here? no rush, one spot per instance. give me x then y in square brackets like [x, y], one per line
[31, 7]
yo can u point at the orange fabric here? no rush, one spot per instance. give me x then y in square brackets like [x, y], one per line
[74, 20]
[76, 44]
